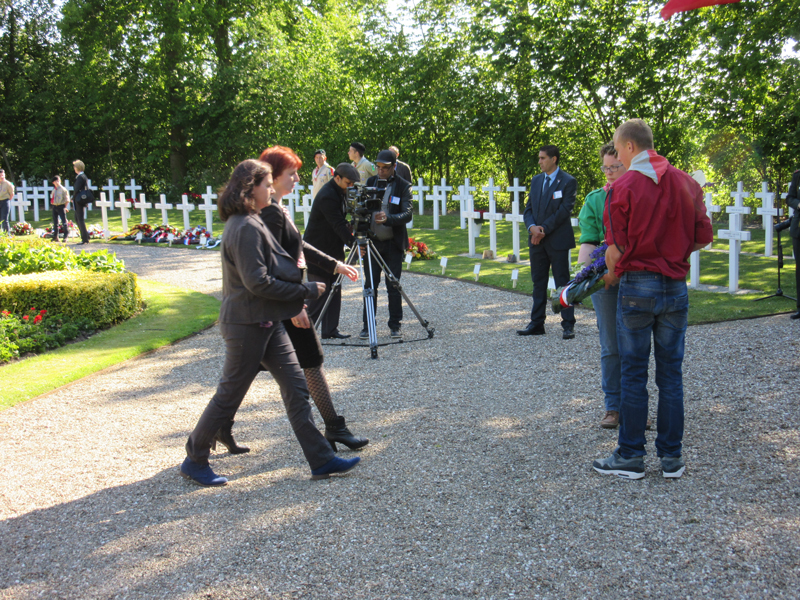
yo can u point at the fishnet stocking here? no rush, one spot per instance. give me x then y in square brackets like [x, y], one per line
[320, 393]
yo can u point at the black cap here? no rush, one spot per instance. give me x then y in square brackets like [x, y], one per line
[386, 157]
[320, 151]
[348, 171]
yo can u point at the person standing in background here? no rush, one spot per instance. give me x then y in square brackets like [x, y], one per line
[7, 192]
[403, 170]
[81, 183]
[60, 203]
[322, 174]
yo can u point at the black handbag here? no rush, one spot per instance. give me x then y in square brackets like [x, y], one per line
[84, 197]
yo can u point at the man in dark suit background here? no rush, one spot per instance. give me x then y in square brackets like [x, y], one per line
[793, 200]
[329, 232]
[547, 217]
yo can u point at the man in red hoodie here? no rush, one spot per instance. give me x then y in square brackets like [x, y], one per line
[655, 219]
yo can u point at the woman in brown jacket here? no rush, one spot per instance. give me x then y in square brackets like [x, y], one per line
[261, 286]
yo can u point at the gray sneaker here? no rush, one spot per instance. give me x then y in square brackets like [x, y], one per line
[364, 335]
[629, 468]
[395, 334]
[672, 467]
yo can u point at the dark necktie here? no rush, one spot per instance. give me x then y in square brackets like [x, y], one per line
[546, 184]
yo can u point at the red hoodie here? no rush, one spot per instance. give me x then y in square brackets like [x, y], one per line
[657, 215]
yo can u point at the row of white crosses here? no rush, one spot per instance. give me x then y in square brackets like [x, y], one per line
[734, 233]
[106, 203]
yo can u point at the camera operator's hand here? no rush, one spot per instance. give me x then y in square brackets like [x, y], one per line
[321, 287]
[380, 217]
[363, 249]
[349, 271]
[302, 321]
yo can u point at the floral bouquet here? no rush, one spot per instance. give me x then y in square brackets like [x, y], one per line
[95, 231]
[192, 236]
[161, 233]
[23, 228]
[586, 283]
[420, 250]
[48, 231]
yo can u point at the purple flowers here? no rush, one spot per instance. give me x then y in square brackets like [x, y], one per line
[598, 258]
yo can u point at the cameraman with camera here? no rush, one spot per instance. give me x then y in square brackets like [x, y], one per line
[329, 232]
[389, 235]
[793, 201]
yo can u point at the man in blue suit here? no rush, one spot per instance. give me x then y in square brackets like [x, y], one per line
[547, 217]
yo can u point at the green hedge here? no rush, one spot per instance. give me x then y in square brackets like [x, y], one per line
[103, 298]
[37, 255]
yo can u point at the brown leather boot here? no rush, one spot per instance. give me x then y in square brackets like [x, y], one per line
[611, 420]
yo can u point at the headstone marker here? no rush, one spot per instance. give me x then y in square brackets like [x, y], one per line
[133, 189]
[492, 216]
[164, 207]
[444, 188]
[124, 204]
[419, 191]
[292, 199]
[514, 277]
[19, 201]
[207, 207]
[305, 208]
[105, 205]
[515, 217]
[477, 271]
[434, 197]
[767, 212]
[735, 235]
[143, 205]
[469, 214]
[185, 207]
[443, 264]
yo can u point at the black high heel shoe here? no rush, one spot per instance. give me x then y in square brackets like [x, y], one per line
[337, 431]
[225, 437]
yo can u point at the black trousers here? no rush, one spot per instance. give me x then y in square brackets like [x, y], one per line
[4, 209]
[394, 260]
[542, 258]
[247, 348]
[330, 320]
[59, 213]
[80, 222]
[796, 248]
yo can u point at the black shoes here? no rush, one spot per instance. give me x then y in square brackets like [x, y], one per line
[225, 437]
[531, 329]
[795, 315]
[568, 334]
[337, 431]
[336, 336]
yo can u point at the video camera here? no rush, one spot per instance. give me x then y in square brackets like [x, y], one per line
[363, 201]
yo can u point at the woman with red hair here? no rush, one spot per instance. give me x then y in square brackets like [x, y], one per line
[285, 163]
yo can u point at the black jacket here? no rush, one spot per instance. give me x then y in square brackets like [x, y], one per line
[399, 213]
[288, 237]
[81, 183]
[793, 200]
[327, 228]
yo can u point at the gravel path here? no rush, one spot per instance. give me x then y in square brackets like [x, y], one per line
[476, 482]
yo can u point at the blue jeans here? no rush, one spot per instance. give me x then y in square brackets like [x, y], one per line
[605, 308]
[651, 304]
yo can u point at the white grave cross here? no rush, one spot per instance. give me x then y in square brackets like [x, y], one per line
[20, 201]
[434, 197]
[124, 204]
[104, 206]
[419, 191]
[207, 207]
[164, 207]
[767, 211]
[185, 207]
[292, 198]
[470, 214]
[305, 208]
[445, 188]
[143, 206]
[25, 190]
[515, 217]
[735, 235]
[112, 190]
[132, 189]
[492, 216]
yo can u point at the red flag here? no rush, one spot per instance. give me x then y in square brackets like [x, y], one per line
[674, 6]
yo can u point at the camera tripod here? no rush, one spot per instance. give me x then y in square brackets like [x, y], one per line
[371, 253]
[779, 293]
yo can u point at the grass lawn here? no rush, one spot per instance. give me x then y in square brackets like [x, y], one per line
[170, 314]
[756, 272]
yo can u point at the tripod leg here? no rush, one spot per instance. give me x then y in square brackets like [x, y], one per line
[392, 280]
[334, 289]
[369, 300]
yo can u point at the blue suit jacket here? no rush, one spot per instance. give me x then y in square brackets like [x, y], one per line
[552, 213]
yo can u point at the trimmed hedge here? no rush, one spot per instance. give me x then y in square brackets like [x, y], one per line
[38, 255]
[103, 298]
